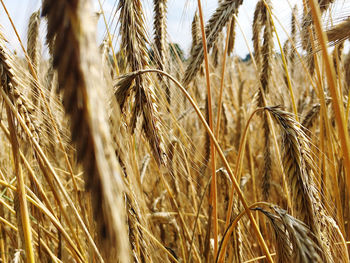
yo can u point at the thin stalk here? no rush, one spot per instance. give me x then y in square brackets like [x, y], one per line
[213, 195]
[258, 258]
[348, 106]
[30, 172]
[21, 191]
[179, 213]
[222, 84]
[2, 245]
[196, 220]
[41, 191]
[238, 164]
[222, 80]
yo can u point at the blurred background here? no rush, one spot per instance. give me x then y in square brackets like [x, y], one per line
[178, 10]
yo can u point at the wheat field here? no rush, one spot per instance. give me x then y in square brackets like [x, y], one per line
[131, 150]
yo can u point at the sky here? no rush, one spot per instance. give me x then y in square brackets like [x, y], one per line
[180, 15]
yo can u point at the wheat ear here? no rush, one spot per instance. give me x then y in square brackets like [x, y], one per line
[160, 31]
[134, 39]
[78, 67]
[17, 97]
[262, 19]
[196, 38]
[295, 242]
[257, 26]
[33, 50]
[324, 4]
[293, 39]
[195, 33]
[337, 57]
[283, 244]
[347, 73]
[216, 23]
[306, 37]
[295, 149]
[232, 37]
[161, 45]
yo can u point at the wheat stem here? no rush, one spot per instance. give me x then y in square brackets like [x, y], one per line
[213, 195]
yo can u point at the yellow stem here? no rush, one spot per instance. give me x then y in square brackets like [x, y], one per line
[222, 80]
[21, 191]
[213, 195]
